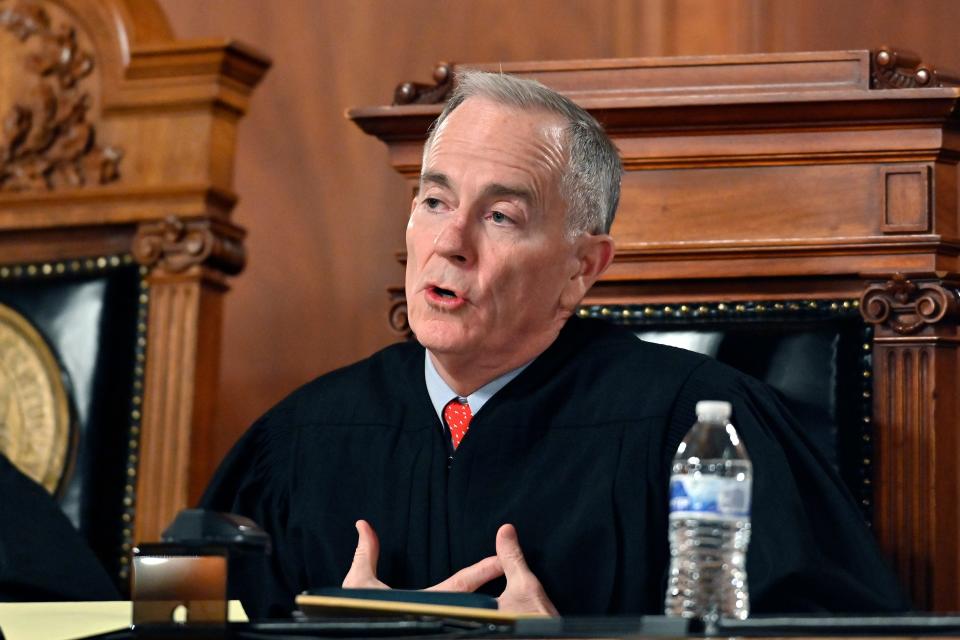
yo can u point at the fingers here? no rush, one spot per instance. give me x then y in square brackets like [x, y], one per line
[363, 571]
[524, 593]
[509, 552]
[471, 578]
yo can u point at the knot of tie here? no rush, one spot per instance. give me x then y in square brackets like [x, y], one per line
[458, 416]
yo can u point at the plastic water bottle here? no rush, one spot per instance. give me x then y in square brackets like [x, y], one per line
[710, 488]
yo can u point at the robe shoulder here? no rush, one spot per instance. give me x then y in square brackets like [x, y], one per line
[371, 391]
[42, 557]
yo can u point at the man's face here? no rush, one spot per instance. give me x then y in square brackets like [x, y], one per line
[489, 266]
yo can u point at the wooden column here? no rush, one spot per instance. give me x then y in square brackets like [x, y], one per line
[916, 368]
[188, 263]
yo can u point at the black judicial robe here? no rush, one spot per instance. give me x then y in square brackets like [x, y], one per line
[42, 557]
[575, 452]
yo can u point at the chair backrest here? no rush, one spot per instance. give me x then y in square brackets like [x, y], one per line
[815, 353]
[79, 435]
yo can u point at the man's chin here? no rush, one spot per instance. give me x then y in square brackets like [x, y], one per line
[440, 337]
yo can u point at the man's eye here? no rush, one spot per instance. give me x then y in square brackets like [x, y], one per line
[432, 203]
[500, 218]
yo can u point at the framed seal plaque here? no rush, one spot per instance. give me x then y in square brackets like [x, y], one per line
[35, 431]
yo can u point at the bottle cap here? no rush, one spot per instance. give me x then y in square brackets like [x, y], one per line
[714, 411]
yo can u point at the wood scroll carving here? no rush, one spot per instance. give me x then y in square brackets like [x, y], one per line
[397, 317]
[46, 140]
[908, 305]
[897, 69]
[417, 93]
[175, 245]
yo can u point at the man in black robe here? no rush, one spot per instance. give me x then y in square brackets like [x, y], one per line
[555, 477]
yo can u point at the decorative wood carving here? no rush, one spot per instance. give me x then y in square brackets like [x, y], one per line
[906, 305]
[174, 245]
[397, 316]
[47, 141]
[417, 93]
[899, 69]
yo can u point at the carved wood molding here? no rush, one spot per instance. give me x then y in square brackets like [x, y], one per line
[898, 69]
[908, 304]
[397, 316]
[175, 245]
[418, 93]
[46, 141]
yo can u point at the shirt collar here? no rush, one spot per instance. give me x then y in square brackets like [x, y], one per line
[441, 393]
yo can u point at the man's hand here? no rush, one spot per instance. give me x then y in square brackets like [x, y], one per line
[363, 571]
[524, 593]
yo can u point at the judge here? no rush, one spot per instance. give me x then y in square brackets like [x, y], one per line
[514, 448]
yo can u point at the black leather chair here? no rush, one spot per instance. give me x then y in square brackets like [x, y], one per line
[91, 313]
[816, 354]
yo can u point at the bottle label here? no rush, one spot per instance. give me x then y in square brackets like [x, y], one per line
[696, 495]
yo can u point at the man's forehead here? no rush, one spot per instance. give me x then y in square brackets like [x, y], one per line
[483, 115]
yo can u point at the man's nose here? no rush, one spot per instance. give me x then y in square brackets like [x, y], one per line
[455, 239]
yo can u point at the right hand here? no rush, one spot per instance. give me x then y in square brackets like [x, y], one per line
[363, 571]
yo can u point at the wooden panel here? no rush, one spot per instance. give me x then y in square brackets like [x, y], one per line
[905, 199]
[765, 203]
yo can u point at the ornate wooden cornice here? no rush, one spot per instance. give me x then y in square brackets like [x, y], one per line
[898, 69]
[175, 245]
[418, 93]
[908, 304]
[47, 141]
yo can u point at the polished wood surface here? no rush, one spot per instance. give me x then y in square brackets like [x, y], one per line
[791, 176]
[131, 151]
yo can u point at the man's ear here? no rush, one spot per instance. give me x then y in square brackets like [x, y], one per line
[594, 254]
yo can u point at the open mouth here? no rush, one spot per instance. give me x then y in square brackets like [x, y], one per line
[444, 293]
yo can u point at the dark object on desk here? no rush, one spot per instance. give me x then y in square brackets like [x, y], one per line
[906, 625]
[193, 567]
[199, 527]
[605, 627]
[471, 607]
[444, 598]
[42, 557]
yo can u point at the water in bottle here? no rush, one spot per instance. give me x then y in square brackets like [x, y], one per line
[710, 489]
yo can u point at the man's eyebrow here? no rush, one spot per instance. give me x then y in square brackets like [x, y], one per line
[496, 189]
[439, 179]
[502, 190]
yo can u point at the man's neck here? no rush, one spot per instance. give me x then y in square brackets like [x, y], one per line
[466, 375]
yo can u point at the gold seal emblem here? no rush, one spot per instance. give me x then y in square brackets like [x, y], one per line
[34, 414]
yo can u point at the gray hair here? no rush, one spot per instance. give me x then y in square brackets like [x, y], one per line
[591, 183]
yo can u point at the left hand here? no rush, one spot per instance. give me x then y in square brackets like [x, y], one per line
[524, 593]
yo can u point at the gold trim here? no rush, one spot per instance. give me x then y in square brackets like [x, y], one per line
[34, 410]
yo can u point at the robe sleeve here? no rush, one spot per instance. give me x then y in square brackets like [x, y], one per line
[810, 550]
[42, 557]
[254, 480]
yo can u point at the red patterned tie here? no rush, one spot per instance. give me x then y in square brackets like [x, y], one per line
[458, 417]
